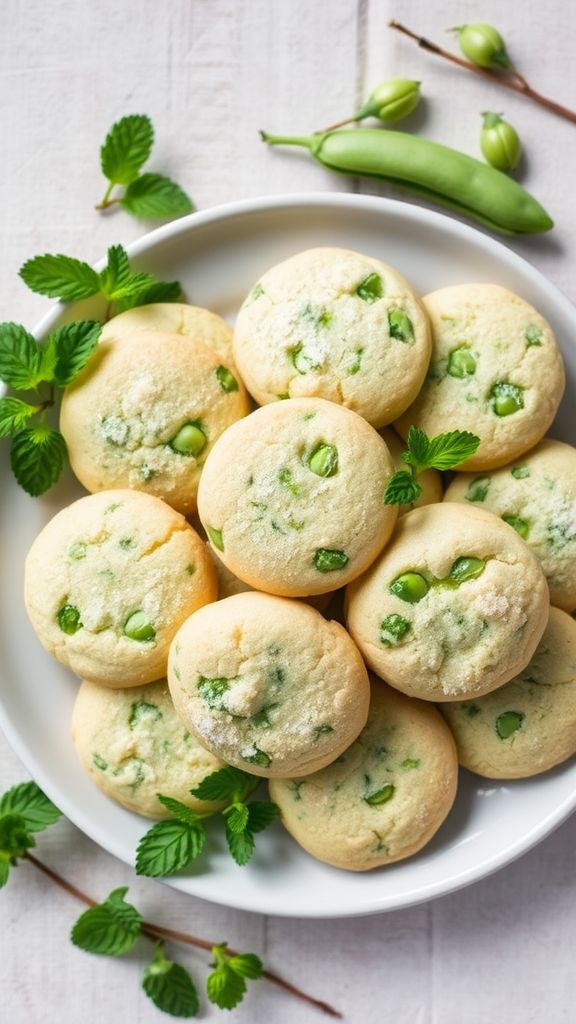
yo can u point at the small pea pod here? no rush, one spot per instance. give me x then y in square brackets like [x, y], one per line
[483, 45]
[438, 173]
[499, 142]
[391, 100]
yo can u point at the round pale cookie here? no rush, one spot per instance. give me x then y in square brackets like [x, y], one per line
[292, 497]
[537, 496]
[528, 725]
[430, 481]
[145, 412]
[175, 318]
[335, 324]
[454, 607]
[268, 685]
[133, 746]
[385, 797]
[496, 371]
[108, 582]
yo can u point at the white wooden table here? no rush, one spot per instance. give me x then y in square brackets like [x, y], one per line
[210, 73]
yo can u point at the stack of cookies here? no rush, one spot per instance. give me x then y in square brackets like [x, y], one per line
[215, 643]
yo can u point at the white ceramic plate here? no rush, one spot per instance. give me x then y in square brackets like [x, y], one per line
[217, 256]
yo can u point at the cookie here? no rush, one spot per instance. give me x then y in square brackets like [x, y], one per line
[145, 412]
[454, 607]
[109, 580]
[496, 371]
[175, 318]
[133, 746]
[385, 797]
[292, 497]
[537, 496]
[430, 481]
[528, 725]
[268, 685]
[334, 324]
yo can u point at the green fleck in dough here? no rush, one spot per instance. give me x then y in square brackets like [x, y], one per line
[302, 362]
[322, 730]
[506, 398]
[520, 472]
[296, 524]
[393, 629]
[141, 710]
[330, 560]
[282, 398]
[262, 718]
[177, 673]
[100, 762]
[258, 757]
[324, 460]
[112, 507]
[146, 472]
[462, 363]
[226, 380]
[532, 335]
[410, 762]
[518, 524]
[381, 796]
[466, 568]
[78, 551]
[560, 531]
[216, 537]
[471, 710]
[190, 569]
[308, 416]
[213, 692]
[256, 293]
[410, 587]
[287, 480]
[319, 319]
[138, 627]
[190, 440]
[371, 288]
[69, 619]
[478, 488]
[508, 723]
[295, 788]
[356, 363]
[127, 543]
[400, 326]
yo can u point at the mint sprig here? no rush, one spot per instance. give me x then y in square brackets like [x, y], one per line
[169, 986]
[24, 809]
[126, 149]
[109, 929]
[444, 451]
[226, 985]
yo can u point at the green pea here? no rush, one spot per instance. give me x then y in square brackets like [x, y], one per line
[462, 363]
[393, 629]
[99, 762]
[518, 524]
[324, 460]
[508, 723]
[141, 710]
[532, 336]
[410, 587]
[259, 757]
[520, 472]
[190, 440]
[69, 619]
[466, 568]
[138, 627]
[506, 398]
[78, 550]
[410, 762]
[381, 796]
[216, 537]
[301, 361]
[330, 560]
[287, 480]
[478, 488]
[400, 326]
[213, 692]
[226, 380]
[371, 288]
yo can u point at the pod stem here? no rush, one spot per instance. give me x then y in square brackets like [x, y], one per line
[288, 140]
[508, 78]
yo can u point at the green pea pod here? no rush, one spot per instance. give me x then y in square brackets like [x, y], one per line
[438, 173]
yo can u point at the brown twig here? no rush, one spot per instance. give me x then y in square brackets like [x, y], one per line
[513, 80]
[155, 931]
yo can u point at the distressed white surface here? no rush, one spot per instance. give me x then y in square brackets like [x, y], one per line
[210, 73]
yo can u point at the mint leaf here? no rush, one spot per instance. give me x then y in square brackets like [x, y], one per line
[418, 445]
[37, 457]
[261, 814]
[110, 929]
[20, 357]
[4, 869]
[402, 489]
[14, 415]
[154, 195]
[170, 987]
[179, 810]
[15, 837]
[117, 279]
[236, 817]
[72, 345]
[226, 986]
[240, 844]
[60, 277]
[446, 451]
[126, 148]
[158, 291]
[34, 807]
[230, 784]
[169, 846]
[247, 964]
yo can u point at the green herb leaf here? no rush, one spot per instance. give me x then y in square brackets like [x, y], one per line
[126, 148]
[418, 445]
[170, 987]
[179, 810]
[73, 344]
[117, 279]
[169, 846]
[402, 489]
[14, 415]
[261, 814]
[4, 869]
[240, 844]
[60, 277]
[446, 451]
[15, 837]
[154, 195]
[34, 807]
[247, 964]
[236, 817]
[225, 987]
[110, 929]
[20, 357]
[37, 457]
[158, 291]
[230, 784]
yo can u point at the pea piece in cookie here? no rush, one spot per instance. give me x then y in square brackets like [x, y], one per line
[334, 324]
[385, 797]
[496, 370]
[453, 608]
[528, 725]
[108, 582]
[268, 685]
[133, 746]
